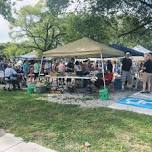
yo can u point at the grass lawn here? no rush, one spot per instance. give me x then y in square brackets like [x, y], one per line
[66, 128]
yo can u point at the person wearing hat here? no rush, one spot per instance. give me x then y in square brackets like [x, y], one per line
[126, 70]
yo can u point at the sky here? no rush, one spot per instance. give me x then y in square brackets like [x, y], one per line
[4, 25]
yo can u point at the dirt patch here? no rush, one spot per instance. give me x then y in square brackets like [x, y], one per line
[88, 101]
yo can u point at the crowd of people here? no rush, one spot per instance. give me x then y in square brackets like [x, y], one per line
[144, 70]
[30, 70]
[17, 74]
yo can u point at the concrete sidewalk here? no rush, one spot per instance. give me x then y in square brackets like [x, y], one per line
[131, 108]
[10, 143]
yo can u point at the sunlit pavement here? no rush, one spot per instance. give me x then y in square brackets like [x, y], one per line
[10, 143]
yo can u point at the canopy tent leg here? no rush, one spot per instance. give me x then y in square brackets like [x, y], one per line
[103, 71]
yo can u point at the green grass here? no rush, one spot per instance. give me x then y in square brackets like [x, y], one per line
[66, 128]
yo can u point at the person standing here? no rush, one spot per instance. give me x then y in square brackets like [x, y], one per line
[2, 68]
[47, 68]
[31, 73]
[109, 66]
[151, 68]
[70, 66]
[126, 70]
[147, 72]
[61, 68]
[70, 69]
[26, 69]
[151, 71]
[78, 68]
[36, 70]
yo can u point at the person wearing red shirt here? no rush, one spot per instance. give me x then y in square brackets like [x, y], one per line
[108, 77]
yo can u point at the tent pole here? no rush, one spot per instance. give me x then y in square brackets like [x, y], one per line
[103, 71]
[41, 66]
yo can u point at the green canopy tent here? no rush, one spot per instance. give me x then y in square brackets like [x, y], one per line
[84, 47]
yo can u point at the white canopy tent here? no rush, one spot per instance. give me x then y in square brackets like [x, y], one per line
[29, 56]
[141, 49]
[85, 47]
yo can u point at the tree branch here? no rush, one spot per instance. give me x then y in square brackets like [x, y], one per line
[30, 34]
[135, 29]
[35, 47]
[146, 3]
[49, 26]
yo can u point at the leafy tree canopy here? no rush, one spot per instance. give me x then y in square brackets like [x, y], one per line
[57, 6]
[49, 24]
[5, 8]
[39, 27]
[141, 9]
[15, 49]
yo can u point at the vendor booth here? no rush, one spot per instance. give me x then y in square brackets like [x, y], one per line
[83, 48]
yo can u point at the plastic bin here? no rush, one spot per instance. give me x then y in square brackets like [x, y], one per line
[30, 88]
[104, 94]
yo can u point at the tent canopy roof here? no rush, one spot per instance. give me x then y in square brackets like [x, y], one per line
[31, 55]
[84, 47]
[141, 49]
[125, 49]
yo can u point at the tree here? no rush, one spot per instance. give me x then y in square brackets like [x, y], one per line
[111, 21]
[6, 8]
[57, 6]
[2, 47]
[86, 25]
[105, 29]
[40, 28]
[15, 49]
[141, 9]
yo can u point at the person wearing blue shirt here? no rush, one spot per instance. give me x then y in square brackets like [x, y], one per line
[26, 69]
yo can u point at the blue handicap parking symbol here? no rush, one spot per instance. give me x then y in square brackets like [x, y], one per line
[142, 103]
